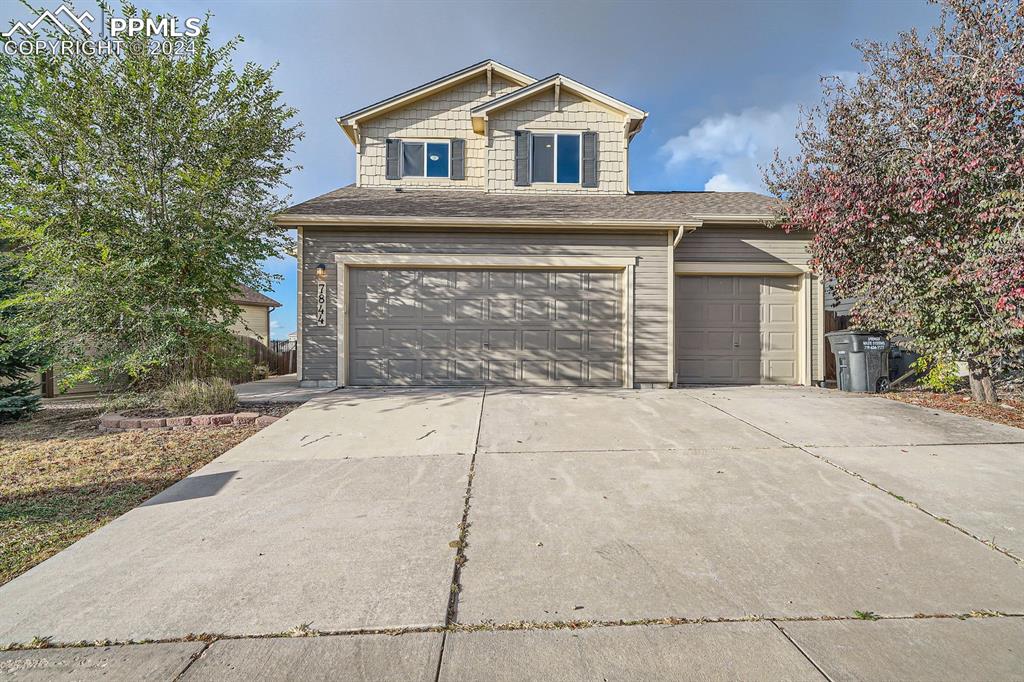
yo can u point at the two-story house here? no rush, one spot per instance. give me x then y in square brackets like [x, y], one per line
[491, 237]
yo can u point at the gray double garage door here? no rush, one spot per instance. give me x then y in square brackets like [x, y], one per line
[423, 327]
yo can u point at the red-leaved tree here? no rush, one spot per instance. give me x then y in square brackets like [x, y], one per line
[912, 181]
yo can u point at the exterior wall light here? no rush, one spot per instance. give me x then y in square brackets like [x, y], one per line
[321, 272]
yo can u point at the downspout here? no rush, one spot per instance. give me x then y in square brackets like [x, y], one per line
[685, 228]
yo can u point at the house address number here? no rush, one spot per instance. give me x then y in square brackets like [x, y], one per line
[321, 304]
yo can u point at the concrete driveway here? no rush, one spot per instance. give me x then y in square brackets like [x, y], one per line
[708, 533]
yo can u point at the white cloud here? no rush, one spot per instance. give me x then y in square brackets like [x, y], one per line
[275, 325]
[735, 145]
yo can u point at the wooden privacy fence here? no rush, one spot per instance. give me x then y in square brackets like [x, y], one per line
[279, 357]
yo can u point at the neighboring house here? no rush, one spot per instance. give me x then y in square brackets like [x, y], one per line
[255, 318]
[491, 238]
[253, 322]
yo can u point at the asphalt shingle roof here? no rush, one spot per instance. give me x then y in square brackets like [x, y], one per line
[247, 296]
[640, 206]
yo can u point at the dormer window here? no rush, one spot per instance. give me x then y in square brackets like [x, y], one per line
[421, 158]
[555, 158]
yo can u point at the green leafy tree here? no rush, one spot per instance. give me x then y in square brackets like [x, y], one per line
[912, 181]
[139, 186]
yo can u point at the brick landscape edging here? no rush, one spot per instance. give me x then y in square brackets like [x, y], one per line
[118, 422]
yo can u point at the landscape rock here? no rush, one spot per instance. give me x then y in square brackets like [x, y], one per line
[222, 419]
[110, 421]
[178, 421]
[246, 417]
[265, 420]
[153, 423]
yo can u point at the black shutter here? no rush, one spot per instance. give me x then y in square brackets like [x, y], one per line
[458, 158]
[589, 159]
[393, 169]
[522, 158]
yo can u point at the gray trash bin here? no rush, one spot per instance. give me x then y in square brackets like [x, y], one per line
[862, 360]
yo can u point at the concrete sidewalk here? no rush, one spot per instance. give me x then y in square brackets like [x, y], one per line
[279, 389]
[603, 529]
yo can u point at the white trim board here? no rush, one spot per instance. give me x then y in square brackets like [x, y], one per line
[729, 268]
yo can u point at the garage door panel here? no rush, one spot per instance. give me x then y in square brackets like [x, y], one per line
[501, 339]
[783, 371]
[748, 314]
[603, 310]
[781, 312]
[501, 309]
[515, 327]
[782, 341]
[569, 310]
[717, 341]
[472, 370]
[469, 309]
[718, 312]
[536, 339]
[720, 287]
[469, 340]
[604, 341]
[736, 329]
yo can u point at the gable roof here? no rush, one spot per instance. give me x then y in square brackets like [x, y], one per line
[248, 296]
[354, 205]
[350, 120]
[635, 115]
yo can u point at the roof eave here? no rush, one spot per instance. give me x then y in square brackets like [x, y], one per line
[628, 110]
[734, 219]
[297, 220]
[379, 108]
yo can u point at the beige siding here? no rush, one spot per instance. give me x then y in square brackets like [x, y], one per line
[573, 115]
[252, 322]
[319, 353]
[442, 116]
[744, 244]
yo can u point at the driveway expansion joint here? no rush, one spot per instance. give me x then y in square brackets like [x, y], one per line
[195, 657]
[910, 503]
[802, 652]
[211, 639]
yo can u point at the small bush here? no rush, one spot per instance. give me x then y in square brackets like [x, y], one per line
[124, 402]
[199, 396]
[939, 374]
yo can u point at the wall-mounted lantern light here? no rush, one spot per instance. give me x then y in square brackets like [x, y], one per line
[321, 272]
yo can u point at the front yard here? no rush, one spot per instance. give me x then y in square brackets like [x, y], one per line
[60, 479]
[1009, 411]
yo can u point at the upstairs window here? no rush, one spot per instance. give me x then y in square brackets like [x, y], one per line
[425, 159]
[555, 158]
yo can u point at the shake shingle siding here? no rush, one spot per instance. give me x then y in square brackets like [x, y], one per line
[650, 293]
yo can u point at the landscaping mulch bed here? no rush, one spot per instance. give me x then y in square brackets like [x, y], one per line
[272, 409]
[61, 479]
[1009, 411]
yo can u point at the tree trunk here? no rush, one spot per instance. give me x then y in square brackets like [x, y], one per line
[982, 388]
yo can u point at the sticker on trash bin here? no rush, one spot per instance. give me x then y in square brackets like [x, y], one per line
[874, 343]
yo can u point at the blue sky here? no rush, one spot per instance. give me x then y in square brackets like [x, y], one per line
[722, 80]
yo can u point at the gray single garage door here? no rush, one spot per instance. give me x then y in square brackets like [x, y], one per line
[430, 327]
[736, 330]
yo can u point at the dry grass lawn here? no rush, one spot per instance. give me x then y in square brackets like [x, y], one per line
[1010, 411]
[60, 479]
